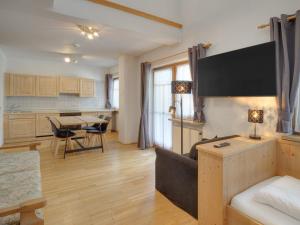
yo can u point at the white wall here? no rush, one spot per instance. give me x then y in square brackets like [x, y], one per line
[232, 27]
[17, 62]
[2, 69]
[129, 112]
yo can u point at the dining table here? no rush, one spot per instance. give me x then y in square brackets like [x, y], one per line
[71, 121]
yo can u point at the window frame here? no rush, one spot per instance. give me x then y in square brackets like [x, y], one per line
[173, 66]
[115, 78]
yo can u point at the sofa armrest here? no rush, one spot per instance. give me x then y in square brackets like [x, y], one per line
[31, 146]
[176, 177]
[27, 206]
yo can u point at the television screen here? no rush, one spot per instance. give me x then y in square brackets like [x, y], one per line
[246, 72]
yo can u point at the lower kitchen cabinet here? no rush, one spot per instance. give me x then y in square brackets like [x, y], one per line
[43, 126]
[20, 126]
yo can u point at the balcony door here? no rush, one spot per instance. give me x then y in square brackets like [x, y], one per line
[162, 130]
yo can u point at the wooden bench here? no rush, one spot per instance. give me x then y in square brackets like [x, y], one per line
[21, 197]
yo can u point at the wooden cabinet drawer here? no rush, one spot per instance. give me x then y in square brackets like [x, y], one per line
[21, 128]
[21, 116]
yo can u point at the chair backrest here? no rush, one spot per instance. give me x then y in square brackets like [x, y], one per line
[54, 128]
[103, 126]
[101, 116]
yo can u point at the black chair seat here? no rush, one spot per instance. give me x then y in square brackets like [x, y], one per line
[65, 134]
[87, 128]
[96, 131]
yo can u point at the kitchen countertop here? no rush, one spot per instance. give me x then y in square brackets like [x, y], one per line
[24, 111]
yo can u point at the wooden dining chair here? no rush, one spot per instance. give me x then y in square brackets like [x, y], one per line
[61, 135]
[97, 134]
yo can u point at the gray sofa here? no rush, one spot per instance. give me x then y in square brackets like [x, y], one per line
[176, 176]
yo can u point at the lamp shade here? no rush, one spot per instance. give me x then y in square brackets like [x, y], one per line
[255, 116]
[181, 87]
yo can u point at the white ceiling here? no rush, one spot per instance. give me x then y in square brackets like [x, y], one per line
[31, 26]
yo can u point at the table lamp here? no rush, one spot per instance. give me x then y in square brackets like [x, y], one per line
[255, 116]
[181, 87]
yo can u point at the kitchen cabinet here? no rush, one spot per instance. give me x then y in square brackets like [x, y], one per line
[22, 85]
[20, 126]
[87, 88]
[69, 85]
[47, 86]
[7, 85]
[43, 126]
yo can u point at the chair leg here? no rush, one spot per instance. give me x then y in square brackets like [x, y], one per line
[56, 146]
[66, 143]
[102, 142]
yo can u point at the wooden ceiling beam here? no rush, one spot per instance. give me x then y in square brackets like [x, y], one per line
[136, 12]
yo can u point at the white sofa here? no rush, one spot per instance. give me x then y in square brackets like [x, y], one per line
[20, 188]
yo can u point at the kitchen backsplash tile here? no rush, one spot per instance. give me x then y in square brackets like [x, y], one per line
[61, 102]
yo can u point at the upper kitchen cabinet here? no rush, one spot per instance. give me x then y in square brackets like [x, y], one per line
[21, 85]
[47, 86]
[8, 90]
[69, 85]
[87, 88]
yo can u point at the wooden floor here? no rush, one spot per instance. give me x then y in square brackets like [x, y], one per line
[111, 188]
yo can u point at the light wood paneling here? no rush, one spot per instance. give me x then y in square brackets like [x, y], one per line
[289, 158]
[43, 126]
[111, 188]
[136, 12]
[87, 88]
[69, 85]
[21, 126]
[7, 85]
[23, 85]
[5, 126]
[225, 172]
[47, 86]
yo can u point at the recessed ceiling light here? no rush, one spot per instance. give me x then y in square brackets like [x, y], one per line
[90, 36]
[67, 59]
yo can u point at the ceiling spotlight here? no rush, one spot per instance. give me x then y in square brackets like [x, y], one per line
[90, 36]
[67, 59]
[89, 32]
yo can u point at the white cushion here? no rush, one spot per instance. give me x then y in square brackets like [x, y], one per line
[20, 181]
[18, 162]
[282, 194]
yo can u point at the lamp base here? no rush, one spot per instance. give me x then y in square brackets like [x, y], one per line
[255, 137]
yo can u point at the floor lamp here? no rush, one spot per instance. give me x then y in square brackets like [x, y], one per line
[181, 87]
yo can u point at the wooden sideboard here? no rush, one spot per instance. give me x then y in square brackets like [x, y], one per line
[225, 172]
[48, 86]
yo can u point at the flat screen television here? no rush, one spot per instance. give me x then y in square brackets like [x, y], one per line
[249, 71]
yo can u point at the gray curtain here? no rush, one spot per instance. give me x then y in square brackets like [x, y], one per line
[144, 130]
[286, 35]
[196, 53]
[109, 90]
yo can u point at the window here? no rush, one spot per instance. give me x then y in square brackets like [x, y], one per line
[115, 101]
[162, 132]
[183, 73]
[163, 99]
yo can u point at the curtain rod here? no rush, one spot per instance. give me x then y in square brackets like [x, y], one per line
[262, 26]
[207, 46]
